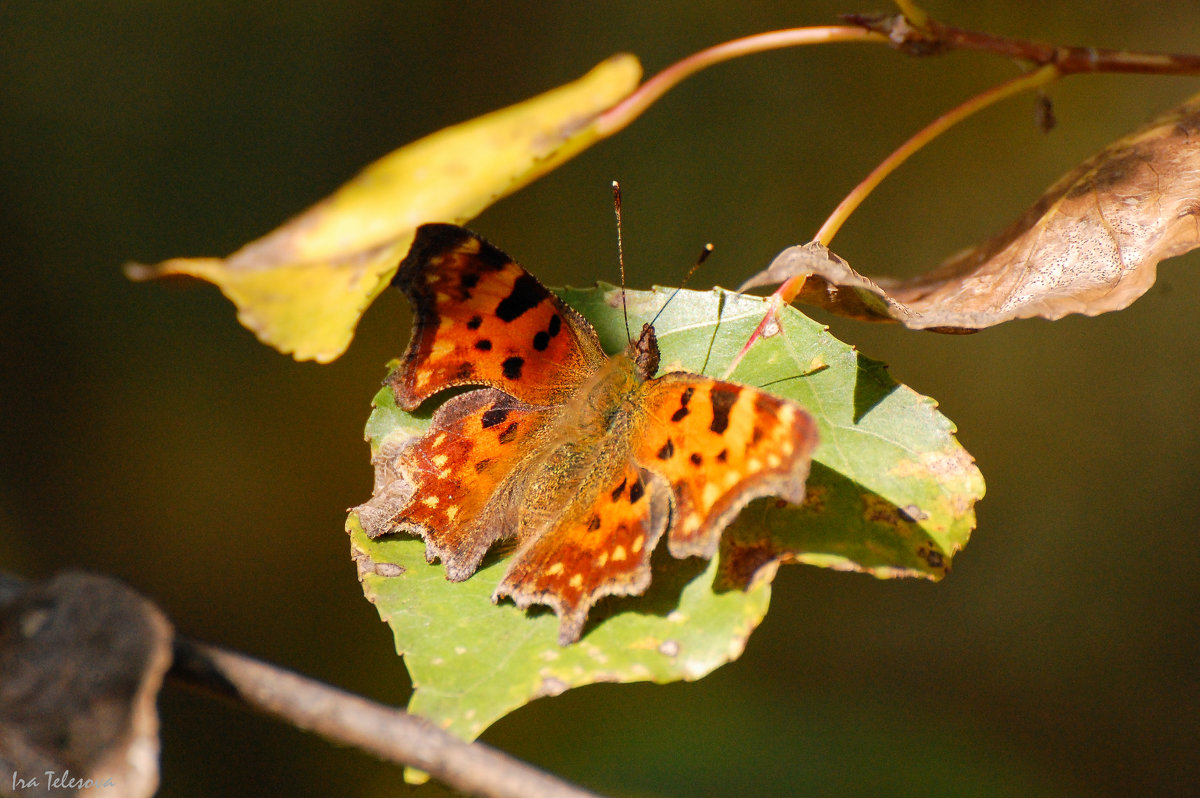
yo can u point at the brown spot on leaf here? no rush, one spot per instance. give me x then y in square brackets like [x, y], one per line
[814, 498]
[878, 510]
[742, 561]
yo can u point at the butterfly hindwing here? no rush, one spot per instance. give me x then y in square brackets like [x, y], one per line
[720, 445]
[465, 472]
[602, 552]
[481, 319]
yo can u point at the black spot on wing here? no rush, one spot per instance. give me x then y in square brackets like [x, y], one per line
[620, 489]
[667, 451]
[636, 491]
[696, 459]
[723, 397]
[492, 417]
[469, 280]
[512, 367]
[541, 341]
[555, 325]
[432, 242]
[526, 293]
[483, 345]
[490, 257]
[594, 524]
[684, 398]
[475, 323]
[509, 433]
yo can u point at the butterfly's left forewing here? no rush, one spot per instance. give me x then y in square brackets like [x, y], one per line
[481, 319]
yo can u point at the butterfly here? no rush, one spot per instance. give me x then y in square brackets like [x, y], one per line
[586, 461]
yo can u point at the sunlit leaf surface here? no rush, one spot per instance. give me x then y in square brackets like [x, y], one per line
[891, 493]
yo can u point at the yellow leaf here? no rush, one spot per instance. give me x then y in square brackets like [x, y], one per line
[303, 287]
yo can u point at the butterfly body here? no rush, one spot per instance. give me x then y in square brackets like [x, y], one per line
[585, 460]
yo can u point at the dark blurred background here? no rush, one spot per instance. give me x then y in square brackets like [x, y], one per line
[145, 434]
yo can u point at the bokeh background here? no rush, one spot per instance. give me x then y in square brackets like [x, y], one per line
[145, 434]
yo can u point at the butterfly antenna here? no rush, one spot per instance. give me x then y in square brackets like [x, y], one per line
[616, 189]
[704, 253]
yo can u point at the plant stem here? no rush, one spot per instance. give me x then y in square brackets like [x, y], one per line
[927, 36]
[1039, 77]
[624, 112]
[348, 719]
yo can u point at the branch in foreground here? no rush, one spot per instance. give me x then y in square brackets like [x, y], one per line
[345, 718]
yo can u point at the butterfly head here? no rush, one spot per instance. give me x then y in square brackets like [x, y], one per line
[644, 352]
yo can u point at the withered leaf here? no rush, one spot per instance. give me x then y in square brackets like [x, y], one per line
[82, 659]
[1090, 245]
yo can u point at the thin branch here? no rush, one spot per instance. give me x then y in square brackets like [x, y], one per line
[349, 719]
[931, 131]
[928, 36]
[629, 109]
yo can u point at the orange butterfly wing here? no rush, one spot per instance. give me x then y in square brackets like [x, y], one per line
[720, 445]
[483, 320]
[603, 552]
[466, 472]
[582, 458]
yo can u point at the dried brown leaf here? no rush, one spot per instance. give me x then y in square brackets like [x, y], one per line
[1090, 245]
[82, 659]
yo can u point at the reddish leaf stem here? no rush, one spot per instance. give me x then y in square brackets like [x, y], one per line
[624, 112]
[931, 131]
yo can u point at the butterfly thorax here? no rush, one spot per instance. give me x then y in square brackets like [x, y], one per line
[592, 437]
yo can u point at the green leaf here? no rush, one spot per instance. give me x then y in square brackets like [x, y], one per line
[891, 493]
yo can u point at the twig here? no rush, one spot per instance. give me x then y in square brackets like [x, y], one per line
[624, 112]
[927, 36]
[931, 131]
[349, 719]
